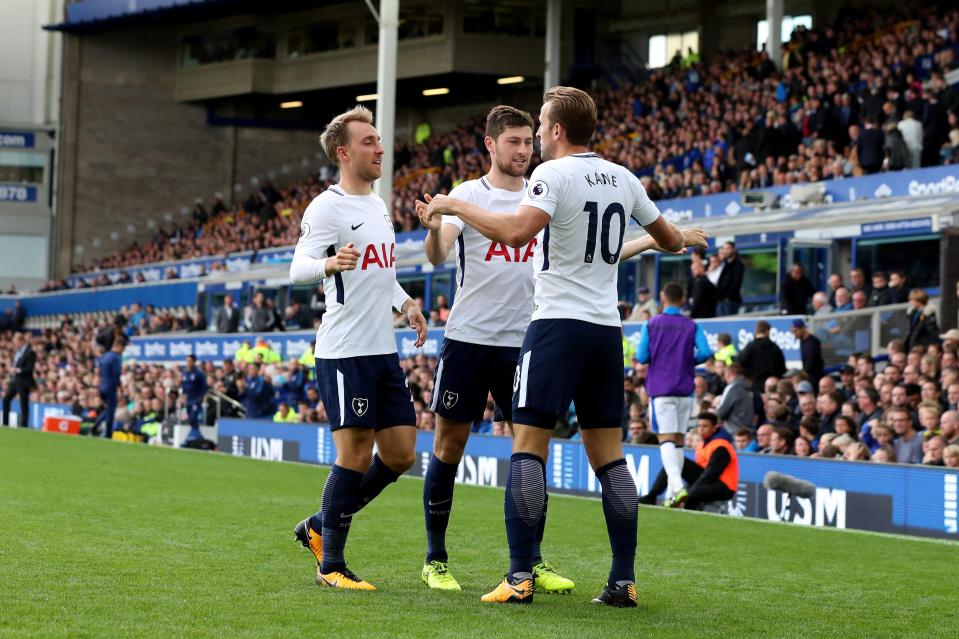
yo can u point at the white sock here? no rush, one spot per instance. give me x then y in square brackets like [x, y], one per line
[674, 471]
[680, 459]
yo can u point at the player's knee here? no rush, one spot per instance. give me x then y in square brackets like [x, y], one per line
[450, 450]
[398, 461]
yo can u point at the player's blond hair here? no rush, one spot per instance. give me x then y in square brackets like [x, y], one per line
[575, 110]
[336, 133]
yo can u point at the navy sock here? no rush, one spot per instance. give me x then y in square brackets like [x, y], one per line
[437, 504]
[541, 528]
[523, 505]
[620, 505]
[339, 504]
[378, 476]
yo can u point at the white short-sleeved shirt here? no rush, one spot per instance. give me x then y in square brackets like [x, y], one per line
[589, 201]
[359, 318]
[494, 282]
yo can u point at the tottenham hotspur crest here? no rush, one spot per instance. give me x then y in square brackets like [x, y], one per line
[450, 398]
[360, 405]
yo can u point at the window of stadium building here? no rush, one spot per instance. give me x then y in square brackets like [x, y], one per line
[917, 257]
[225, 46]
[516, 18]
[759, 281]
[420, 20]
[672, 47]
[318, 37]
[19, 167]
[789, 24]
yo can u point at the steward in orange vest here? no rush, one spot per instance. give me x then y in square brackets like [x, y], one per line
[714, 476]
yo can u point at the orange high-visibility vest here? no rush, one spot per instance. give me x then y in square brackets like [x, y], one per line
[730, 475]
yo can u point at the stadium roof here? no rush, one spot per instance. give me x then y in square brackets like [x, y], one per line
[96, 15]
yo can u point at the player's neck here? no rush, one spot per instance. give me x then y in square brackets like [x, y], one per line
[562, 150]
[354, 185]
[506, 182]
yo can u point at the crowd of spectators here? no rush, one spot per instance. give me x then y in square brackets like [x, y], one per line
[867, 95]
[903, 408]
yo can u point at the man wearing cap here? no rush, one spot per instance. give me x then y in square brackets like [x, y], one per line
[811, 350]
[644, 303]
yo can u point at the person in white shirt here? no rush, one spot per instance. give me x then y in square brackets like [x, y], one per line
[577, 206]
[347, 242]
[484, 332]
[911, 130]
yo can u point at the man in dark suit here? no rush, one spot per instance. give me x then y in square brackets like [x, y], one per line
[227, 317]
[702, 293]
[729, 288]
[21, 381]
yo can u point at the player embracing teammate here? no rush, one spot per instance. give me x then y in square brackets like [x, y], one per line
[577, 207]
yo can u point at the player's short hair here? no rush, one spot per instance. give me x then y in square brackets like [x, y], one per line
[724, 338]
[762, 327]
[674, 293]
[504, 117]
[336, 133]
[575, 110]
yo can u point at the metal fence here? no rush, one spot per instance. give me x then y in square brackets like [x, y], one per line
[867, 330]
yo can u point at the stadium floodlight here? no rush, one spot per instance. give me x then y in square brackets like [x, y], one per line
[368, 97]
[513, 79]
[438, 91]
[292, 104]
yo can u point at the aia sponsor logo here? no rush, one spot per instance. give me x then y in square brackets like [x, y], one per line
[503, 252]
[378, 256]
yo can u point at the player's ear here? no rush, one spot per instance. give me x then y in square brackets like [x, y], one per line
[490, 143]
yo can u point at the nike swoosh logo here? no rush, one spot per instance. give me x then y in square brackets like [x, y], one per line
[357, 226]
[442, 501]
[345, 516]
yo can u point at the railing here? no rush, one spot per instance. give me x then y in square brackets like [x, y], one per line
[866, 330]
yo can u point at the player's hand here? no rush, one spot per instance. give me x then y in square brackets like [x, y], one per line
[344, 260]
[430, 223]
[417, 323]
[695, 237]
[441, 205]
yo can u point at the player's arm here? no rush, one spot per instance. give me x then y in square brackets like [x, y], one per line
[440, 235]
[702, 350]
[645, 212]
[512, 230]
[642, 349]
[318, 233]
[692, 237]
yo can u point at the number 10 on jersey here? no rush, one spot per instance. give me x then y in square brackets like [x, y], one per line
[613, 210]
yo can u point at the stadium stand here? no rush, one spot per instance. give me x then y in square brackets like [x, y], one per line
[845, 104]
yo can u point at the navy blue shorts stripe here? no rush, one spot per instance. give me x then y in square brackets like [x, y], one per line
[337, 278]
[462, 257]
[546, 248]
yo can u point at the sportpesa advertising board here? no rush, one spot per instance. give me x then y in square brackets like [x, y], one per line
[208, 347]
[895, 498]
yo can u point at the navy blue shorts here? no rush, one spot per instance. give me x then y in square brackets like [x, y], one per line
[465, 376]
[566, 360]
[365, 392]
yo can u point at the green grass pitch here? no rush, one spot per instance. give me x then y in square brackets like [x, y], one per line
[103, 539]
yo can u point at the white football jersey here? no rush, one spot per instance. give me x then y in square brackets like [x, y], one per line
[494, 282]
[359, 318]
[589, 201]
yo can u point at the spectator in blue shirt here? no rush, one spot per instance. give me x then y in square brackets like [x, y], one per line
[256, 393]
